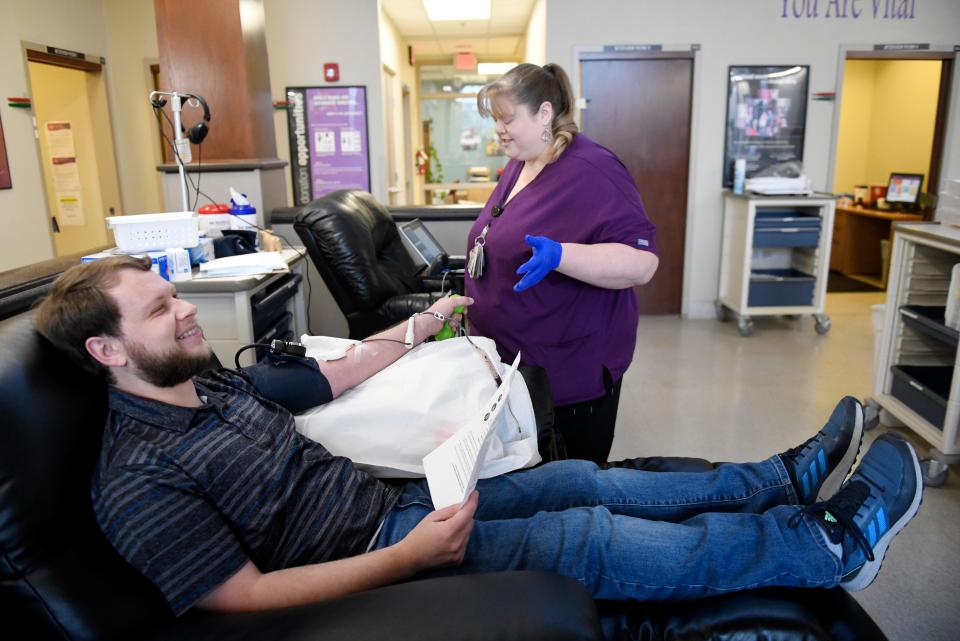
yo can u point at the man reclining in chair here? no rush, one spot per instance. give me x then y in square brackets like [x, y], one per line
[206, 488]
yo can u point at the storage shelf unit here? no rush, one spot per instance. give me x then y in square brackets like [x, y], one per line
[775, 258]
[238, 311]
[915, 380]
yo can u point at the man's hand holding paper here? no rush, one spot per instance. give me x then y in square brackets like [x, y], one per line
[441, 538]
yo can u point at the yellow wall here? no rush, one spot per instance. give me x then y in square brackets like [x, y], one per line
[393, 54]
[887, 116]
[132, 47]
[62, 94]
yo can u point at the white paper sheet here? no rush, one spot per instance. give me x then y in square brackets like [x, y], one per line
[244, 265]
[59, 135]
[452, 468]
[66, 175]
[70, 209]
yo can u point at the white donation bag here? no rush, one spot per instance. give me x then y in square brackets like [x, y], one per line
[388, 423]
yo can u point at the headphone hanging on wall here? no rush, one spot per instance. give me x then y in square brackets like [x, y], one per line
[199, 131]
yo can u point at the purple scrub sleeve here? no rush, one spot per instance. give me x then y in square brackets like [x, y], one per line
[570, 328]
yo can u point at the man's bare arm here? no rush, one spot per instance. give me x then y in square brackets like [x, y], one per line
[439, 540]
[380, 350]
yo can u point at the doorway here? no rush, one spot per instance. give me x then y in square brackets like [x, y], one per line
[891, 120]
[638, 105]
[407, 145]
[76, 150]
[393, 178]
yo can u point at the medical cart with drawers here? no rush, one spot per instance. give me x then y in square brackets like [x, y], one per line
[775, 258]
[915, 382]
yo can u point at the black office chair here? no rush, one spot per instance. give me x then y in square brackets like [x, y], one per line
[356, 247]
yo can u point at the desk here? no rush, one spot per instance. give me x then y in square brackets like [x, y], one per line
[857, 232]
[477, 192]
[224, 310]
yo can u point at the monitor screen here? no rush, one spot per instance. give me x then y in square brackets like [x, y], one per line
[904, 188]
[422, 240]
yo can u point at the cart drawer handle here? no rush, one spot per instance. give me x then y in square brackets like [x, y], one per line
[917, 386]
[909, 314]
[779, 230]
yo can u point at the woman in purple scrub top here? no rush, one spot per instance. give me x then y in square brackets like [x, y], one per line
[555, 254]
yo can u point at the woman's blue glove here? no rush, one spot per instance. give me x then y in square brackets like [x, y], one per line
[546, 258]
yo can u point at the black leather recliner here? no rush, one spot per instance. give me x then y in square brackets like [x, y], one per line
[355, 245]
[61, 580]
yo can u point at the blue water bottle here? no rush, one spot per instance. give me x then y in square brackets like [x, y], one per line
[739, 174]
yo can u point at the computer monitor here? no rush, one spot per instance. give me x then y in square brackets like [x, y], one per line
[904, 188]
[422, 241]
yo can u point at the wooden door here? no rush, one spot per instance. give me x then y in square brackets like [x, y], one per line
[76, 149]
[639, 108]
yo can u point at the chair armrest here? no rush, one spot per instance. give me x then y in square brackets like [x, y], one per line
[549, 440]
[452, 282]
[399, 308]
[785, 614]
[521, 606]
[663, 464]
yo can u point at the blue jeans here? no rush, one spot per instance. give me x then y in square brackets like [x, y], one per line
[628, 534]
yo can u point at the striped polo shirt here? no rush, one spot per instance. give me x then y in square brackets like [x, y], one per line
[188, 495]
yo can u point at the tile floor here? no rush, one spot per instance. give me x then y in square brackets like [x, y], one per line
[697, 388]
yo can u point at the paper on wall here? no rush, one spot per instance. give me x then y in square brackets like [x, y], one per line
[70, 209]
[451, 469]
[66, 175]
[59, 135]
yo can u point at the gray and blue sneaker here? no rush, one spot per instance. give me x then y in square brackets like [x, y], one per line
[818, 466]
[882, 495]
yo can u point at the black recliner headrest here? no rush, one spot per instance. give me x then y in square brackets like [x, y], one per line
[357, 249]
[59, 576]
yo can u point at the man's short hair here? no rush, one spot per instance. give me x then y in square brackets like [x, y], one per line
[79, 307]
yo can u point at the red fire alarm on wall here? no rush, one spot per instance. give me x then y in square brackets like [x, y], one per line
[331, 71]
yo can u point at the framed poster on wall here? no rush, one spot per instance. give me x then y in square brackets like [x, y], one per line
[766, 116]
[329, 144]
[5, 181]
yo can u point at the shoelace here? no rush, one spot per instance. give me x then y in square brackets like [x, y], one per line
[800, 449]
[841, 509]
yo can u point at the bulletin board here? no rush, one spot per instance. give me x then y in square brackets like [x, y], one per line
[329, 141]
[766, 116]
[5, 181]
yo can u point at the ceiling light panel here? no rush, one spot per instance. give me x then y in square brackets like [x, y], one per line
[457, 10]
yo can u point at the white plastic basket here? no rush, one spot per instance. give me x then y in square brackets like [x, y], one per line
[148, 232]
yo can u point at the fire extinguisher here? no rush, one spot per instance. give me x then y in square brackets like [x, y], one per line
[420, 160]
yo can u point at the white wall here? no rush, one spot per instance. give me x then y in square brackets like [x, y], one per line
[123, 32]
[304, 34]
[743, 32]
[131, 48]
[77, 26]
[535, 38]
[393, 54]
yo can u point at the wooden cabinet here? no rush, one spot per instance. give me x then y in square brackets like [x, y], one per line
[857, 232]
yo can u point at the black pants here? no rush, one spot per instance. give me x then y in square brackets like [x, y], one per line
[587, 427]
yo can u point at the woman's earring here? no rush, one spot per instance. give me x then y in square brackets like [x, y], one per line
[546, 136]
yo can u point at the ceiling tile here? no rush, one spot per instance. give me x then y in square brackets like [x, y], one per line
[411, 18]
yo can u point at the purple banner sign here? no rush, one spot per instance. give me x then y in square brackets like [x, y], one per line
[328, 140]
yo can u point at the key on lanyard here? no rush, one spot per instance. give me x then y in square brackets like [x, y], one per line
[475, 263]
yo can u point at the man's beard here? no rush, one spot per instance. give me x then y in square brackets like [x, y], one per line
[170, 368]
